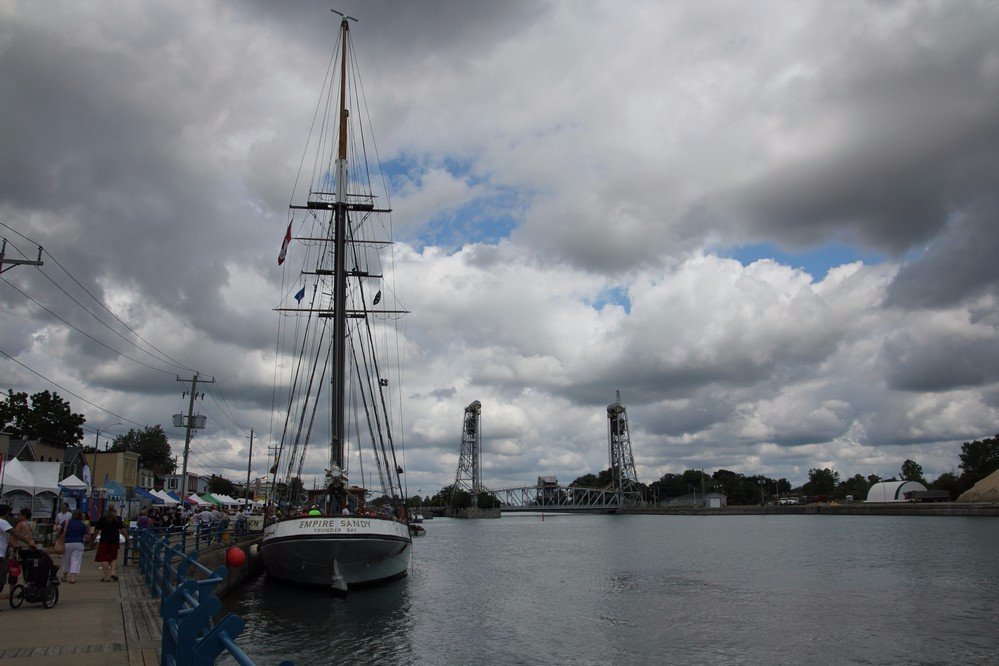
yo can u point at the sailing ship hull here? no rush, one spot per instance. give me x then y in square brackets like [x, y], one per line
[336, 551]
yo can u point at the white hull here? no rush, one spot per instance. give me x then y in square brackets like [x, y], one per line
[336, 551]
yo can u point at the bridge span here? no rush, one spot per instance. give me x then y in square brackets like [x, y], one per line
[558, 499]
[547, 494]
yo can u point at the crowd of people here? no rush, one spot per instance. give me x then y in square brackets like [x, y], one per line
[74, 532]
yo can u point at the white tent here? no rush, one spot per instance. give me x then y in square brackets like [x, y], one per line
[31, 477]
[73, 482]
[166, 498]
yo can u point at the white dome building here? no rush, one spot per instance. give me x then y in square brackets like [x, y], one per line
[892, 491]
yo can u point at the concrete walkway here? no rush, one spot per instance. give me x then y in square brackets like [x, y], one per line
[93, 622]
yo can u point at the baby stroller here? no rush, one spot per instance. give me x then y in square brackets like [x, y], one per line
[41, 583]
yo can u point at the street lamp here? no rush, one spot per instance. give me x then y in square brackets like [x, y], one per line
[762, 490]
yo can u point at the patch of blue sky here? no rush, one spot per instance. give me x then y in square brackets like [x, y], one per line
[483, 220]
[405, 168]
[815, 261]
[612, 296]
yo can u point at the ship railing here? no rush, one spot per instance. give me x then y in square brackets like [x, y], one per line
[187, 606]
[187, 537]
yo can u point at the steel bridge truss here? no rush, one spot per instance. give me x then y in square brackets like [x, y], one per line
[557, 498]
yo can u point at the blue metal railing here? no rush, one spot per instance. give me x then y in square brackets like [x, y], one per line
[187, 606]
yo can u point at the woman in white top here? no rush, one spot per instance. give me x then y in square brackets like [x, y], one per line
[63, 515]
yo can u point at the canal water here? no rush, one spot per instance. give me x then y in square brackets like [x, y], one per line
[586, 589]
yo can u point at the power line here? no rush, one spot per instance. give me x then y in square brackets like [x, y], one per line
[35, 372]
[84, 333]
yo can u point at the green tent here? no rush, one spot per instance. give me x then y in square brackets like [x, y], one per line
[208, 497]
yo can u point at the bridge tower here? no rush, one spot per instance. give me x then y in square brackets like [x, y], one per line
[470, 458]
[622, 462]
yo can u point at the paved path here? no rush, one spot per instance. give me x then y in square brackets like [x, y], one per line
[93, 623]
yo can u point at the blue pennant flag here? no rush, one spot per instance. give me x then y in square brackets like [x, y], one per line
[300, 295]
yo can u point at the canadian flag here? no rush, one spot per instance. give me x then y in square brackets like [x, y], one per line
[284, 245]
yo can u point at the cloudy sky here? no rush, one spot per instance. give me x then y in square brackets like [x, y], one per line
[772, 226]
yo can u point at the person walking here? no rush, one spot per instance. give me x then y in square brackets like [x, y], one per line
[5, 529]
[109, 526]
[63, 515]
[76, 532]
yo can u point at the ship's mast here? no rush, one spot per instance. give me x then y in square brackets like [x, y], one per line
[339, 267]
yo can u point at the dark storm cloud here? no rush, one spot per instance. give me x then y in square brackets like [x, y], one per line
[961, 263]
[94, 138]
[941, 362]
[896, 132]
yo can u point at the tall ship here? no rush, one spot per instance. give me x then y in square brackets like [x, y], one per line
[339, 357]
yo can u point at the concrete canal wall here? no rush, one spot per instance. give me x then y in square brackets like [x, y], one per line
[216, 557]
[850, 509]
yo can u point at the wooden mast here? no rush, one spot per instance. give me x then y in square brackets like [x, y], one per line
[339, 268]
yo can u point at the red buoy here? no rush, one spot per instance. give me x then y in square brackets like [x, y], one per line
[235, 557]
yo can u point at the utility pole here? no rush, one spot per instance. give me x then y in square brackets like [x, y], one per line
[190, 426]
[6, 264]
[93, 472]
[249, 466]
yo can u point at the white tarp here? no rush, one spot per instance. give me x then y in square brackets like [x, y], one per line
[31, 477]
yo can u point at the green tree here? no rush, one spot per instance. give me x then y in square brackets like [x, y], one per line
[821, 481]
[948, 482]
[48, 416]
[912, 471]
[220, 484]
[152, 446]
[452, 496]
[732, 485]
[488, 501]
[978, 460]
[856, 486]
[602, 480]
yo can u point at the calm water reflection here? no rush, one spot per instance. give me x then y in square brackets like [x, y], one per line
[657, 589]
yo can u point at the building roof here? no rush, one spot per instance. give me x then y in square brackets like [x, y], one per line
[892, 491]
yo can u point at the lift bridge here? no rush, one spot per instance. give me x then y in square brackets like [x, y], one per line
[547, 494]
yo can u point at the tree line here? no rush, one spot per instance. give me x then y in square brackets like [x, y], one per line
[978, 459]
[46, 415]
